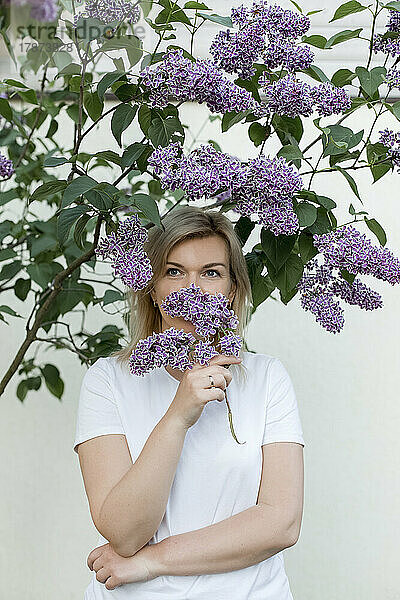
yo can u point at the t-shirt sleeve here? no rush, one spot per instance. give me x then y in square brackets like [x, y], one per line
[282, 422]
[97, 409]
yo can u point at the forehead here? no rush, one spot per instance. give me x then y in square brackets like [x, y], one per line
[204, 249]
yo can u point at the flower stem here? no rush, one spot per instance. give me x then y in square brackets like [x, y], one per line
[231, 422]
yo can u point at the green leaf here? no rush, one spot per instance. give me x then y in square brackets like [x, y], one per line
[148, 207]
[343, 36]
[231, 118]
[5, 109]
[306, 213]
[109, 156]
[88, 29]
[258, 133]
[277, 248]
[131, 43]
[243, 228]
[194, 5]
[316, 73]
[392, 6]
[377, 152]
[291, 152]
[15, 83]
[350, 180]
[306, 247]
[9, 311]
[22, 287]
[340, 139]
[79, 230]
[111, 296]
[297, 6]
[289, 276]
[225, 21]
[93, 105]
[322, 224]
[48, 189]
[132, 153]
[343, 77]
[319, 41]
[395, 109]
[66, 219]
[54, 161]
[10, 270]
[107, 81]
[76, 188]
[52, 379]
[347, 8]
[162, 130]
[377, 229]
[370, 80]
[286, 127]
[121, 119]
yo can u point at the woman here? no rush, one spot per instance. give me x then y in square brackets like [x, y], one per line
[183, 511]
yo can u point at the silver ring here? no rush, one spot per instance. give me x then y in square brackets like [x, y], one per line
[212, 381]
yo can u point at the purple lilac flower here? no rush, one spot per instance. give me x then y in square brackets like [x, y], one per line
[236, 52]
[108, 11]
[357, 293]
[207, 312]
[290, 96]
[330, 99]
[389, 45]
[203, 352]
[201, 173]
[6, 167]
[391, 140]
[393, 77]
[230, 344]
[287, 96]
[268, 192]
[130, 263]
[394, 21]
[347, 248]
[44, 10]
[286, 23]
[199, 81]
[168, 348]
[319, 286]
[284, 54]
[264, 186]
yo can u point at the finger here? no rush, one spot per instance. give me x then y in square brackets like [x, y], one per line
[214, 394]
[223, 359]
[219, 381]
[92, 557]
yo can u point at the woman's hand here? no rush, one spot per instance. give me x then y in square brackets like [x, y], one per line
[114, 570]
[194, 389]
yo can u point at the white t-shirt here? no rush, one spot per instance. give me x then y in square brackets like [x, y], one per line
[215, 477]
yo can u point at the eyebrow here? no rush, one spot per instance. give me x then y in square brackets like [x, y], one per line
[204, 266]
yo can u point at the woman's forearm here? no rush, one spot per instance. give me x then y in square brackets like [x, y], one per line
[134, 508]
[237, 542]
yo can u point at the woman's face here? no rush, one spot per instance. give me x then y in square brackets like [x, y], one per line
[190, 262]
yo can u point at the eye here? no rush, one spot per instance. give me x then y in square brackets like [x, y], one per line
[208, 271]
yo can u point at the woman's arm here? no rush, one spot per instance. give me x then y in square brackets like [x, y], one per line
[134, 508]
[237, 542]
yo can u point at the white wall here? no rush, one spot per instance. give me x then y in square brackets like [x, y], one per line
[347, 389]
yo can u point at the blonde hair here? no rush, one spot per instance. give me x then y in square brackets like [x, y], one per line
[182, 223]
